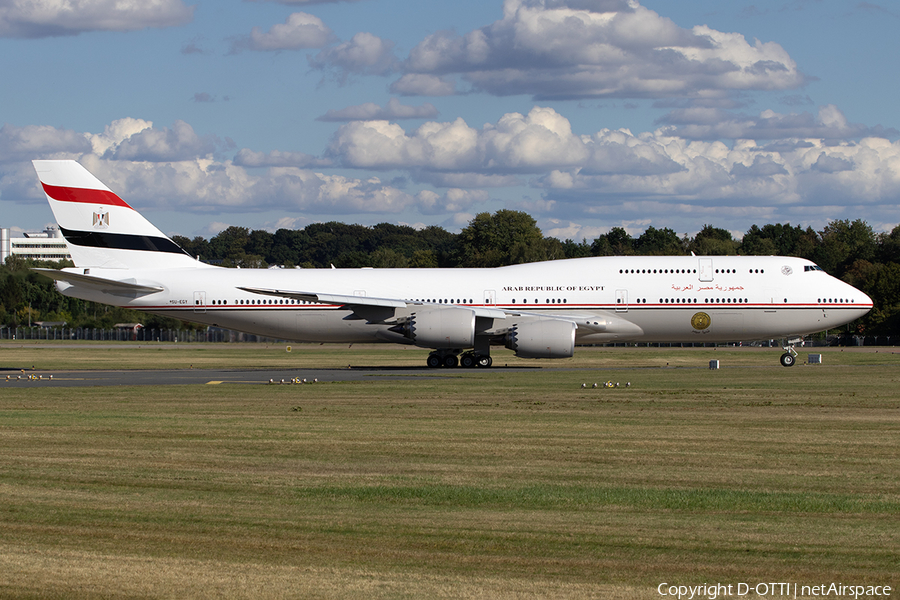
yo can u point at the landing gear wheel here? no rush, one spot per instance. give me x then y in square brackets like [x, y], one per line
[433, 361]
[450, 361]
[788, 360]
[467, 361]
[484, 361]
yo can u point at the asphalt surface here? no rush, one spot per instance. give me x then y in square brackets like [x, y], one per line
[27, 378]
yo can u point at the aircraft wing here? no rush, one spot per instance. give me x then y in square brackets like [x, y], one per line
[342, 300]
[107, 286]
[362, 302]
[367, 307]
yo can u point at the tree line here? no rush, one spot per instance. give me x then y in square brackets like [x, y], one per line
[849, 250]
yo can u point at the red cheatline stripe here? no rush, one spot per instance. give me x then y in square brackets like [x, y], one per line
[70, 194]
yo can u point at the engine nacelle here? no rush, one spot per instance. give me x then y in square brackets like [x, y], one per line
[542, 338]
[445, 327]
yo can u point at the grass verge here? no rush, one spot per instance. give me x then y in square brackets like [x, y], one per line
[488, 484]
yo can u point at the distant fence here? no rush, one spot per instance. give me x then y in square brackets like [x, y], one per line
[216, 335]
[212, 335]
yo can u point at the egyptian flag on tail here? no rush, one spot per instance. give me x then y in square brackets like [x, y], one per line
[101, 229]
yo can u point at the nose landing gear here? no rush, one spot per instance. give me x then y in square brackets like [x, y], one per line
[789, 358]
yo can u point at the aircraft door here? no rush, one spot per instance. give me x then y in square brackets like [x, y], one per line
[199, 302]
[490, 297]
[621, 300]
[706, 269]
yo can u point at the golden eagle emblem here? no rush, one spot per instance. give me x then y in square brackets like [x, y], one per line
[700, 321]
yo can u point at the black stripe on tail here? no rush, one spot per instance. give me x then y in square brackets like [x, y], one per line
[121, 241]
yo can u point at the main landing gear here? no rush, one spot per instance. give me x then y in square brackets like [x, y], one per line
[450, 359]
[789, 358]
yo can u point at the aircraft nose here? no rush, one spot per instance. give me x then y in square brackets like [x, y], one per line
[860, 298]
[866, 299]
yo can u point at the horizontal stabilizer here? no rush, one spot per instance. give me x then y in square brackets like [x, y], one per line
[107, 286]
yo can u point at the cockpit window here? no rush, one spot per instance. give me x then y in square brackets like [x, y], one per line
[812, 268]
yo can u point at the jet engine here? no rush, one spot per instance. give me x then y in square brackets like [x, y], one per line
[444, 327]
[542, 338]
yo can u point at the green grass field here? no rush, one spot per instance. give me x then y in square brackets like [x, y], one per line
[456, 484]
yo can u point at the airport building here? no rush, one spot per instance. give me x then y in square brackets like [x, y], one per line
[45, 245]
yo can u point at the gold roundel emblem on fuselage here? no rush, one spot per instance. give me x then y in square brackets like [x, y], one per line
[700, 321]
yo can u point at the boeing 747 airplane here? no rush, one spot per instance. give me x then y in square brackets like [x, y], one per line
[539, 310]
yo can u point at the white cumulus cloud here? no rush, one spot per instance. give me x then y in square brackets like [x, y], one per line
[277, 158]
[417, 84]
[302, 2]
[364, 54]
[140, 141]
[712, 123]
[300, 30]
[177, 169]
[40, 141]
[47, 18]
[591, 49]
[608, 174]
[454, 200]
[534, 143]
[373, 112]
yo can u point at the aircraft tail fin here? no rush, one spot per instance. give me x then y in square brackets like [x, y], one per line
[101, 229]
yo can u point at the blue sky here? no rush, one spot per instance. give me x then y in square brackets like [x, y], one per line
[587, 114]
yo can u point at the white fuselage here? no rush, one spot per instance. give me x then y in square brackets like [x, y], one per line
[652, 298]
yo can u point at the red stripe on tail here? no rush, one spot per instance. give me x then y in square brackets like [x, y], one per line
[70, 194]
